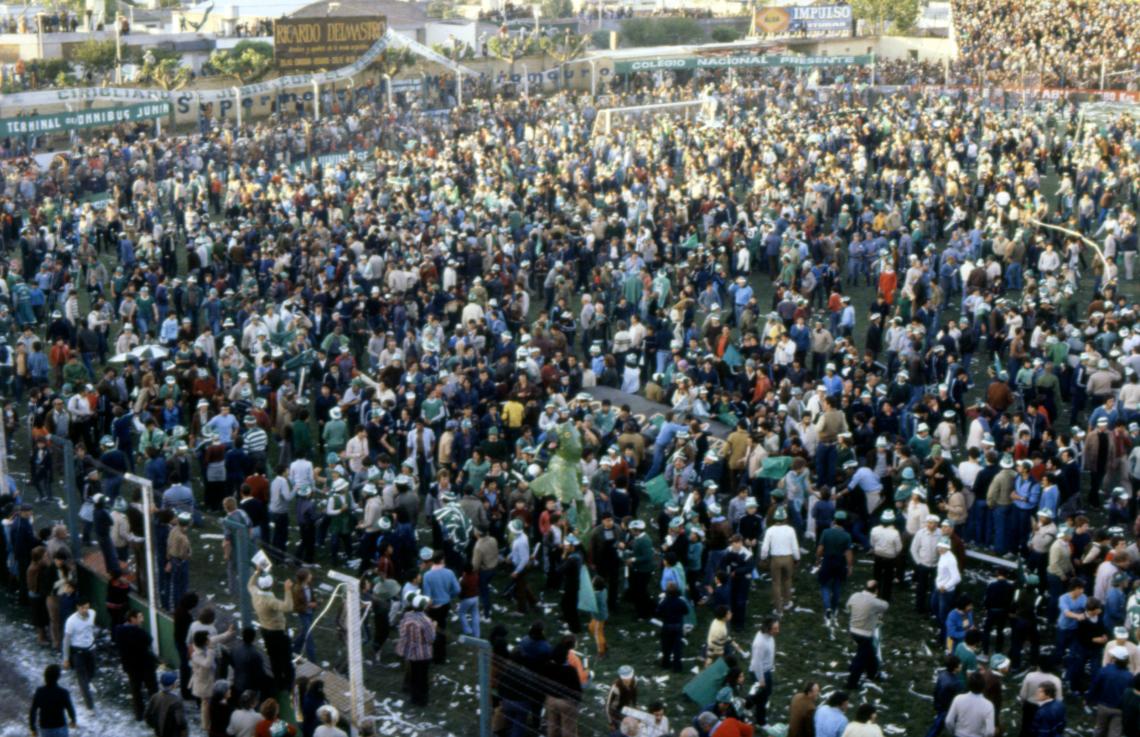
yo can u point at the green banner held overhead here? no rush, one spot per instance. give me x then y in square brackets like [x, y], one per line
[69, 121]
[751, 60]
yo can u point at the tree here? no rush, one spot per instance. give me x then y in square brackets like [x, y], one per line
[661, 31]
[97, 57]
[392, 59]
[897, 15]
[246, 62]
[166, 74]
[442, 9]
[725, 34]
[557, 8]
[564, 48]
[512, 48]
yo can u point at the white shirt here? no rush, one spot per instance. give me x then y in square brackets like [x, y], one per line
[948, 576]
[970, 715]
[763, 655]
[780, 540]
[886, 542]
[924, 547]
[78, 633]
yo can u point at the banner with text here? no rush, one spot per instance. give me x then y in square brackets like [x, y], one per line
[135, 94]
[314, 44]
[807, 19]
[713, 62]
[63, 122]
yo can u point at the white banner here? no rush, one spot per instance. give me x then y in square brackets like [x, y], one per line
[134, 94]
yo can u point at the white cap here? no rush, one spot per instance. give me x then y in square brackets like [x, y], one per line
[265, 582]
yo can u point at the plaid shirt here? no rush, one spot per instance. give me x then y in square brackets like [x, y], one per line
[416, 636]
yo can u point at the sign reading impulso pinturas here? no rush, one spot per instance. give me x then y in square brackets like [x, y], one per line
[60, 122]
[313, 44]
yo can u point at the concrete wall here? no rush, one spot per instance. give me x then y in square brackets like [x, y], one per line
[888, 47]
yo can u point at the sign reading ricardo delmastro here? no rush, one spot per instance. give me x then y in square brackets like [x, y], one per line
[57, 122]
[312, 44]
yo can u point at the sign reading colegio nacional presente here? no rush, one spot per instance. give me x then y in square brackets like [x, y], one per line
[313, 44]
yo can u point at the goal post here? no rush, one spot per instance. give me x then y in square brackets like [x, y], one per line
[639, 115]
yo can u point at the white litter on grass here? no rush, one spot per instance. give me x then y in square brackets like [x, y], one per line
[894, 729]
[803, 610]
[924, 697]
[211, 536]
[27, 661]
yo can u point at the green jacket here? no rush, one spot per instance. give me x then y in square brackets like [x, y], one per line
[644, 559]
[74, 373]
[335, 435]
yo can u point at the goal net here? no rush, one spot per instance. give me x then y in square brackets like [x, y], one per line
[642, 116]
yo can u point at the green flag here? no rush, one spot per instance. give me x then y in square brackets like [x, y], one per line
[775, 468]
[656, 490]
[702, 689]
[587, 601]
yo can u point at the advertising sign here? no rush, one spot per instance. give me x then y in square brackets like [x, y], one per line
[713, 62]
[807, 19]
[69, 121]
[313, 44]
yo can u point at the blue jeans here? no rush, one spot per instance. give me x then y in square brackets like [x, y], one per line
[832, 592]
[301, 640]
[52, 731]
[939, 722]
[977, 524]
[469, 616]
[826, 458]
[179, 580]
[485, 592]
[1001, 519]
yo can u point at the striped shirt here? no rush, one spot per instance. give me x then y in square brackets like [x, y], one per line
[256, 440]
[416, 637]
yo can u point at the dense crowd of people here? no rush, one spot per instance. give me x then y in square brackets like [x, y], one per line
[871, 331]
[1062, 43]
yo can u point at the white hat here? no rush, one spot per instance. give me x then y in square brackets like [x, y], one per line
[265, 581]
[334, 413]
[933, 518]
[1118, 652]
[330, 711]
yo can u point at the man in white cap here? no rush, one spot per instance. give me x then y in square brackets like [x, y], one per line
[271, 613]
[886, 546]
[417, 634]
[1100, 456]
[1120, 639]
[924, 553]
[945, 584]
[1107, 692]
[781, 547]
[999, 499]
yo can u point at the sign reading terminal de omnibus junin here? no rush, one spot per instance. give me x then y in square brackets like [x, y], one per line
[69, 121]
[313, 44]
[712, 62]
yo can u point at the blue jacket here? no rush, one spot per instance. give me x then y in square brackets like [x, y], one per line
[441, 586]
[1049, 721]
[945, 689]
[1109, 686]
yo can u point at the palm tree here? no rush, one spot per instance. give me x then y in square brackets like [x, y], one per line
[167, 74]
[565, 48]
[512, 48]
[390, 61]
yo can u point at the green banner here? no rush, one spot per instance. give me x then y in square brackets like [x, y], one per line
[713, 62]
[69, 121]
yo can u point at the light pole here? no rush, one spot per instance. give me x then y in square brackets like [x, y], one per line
[147, 489]
[118, 47]
[537, 15]
[39, 38]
